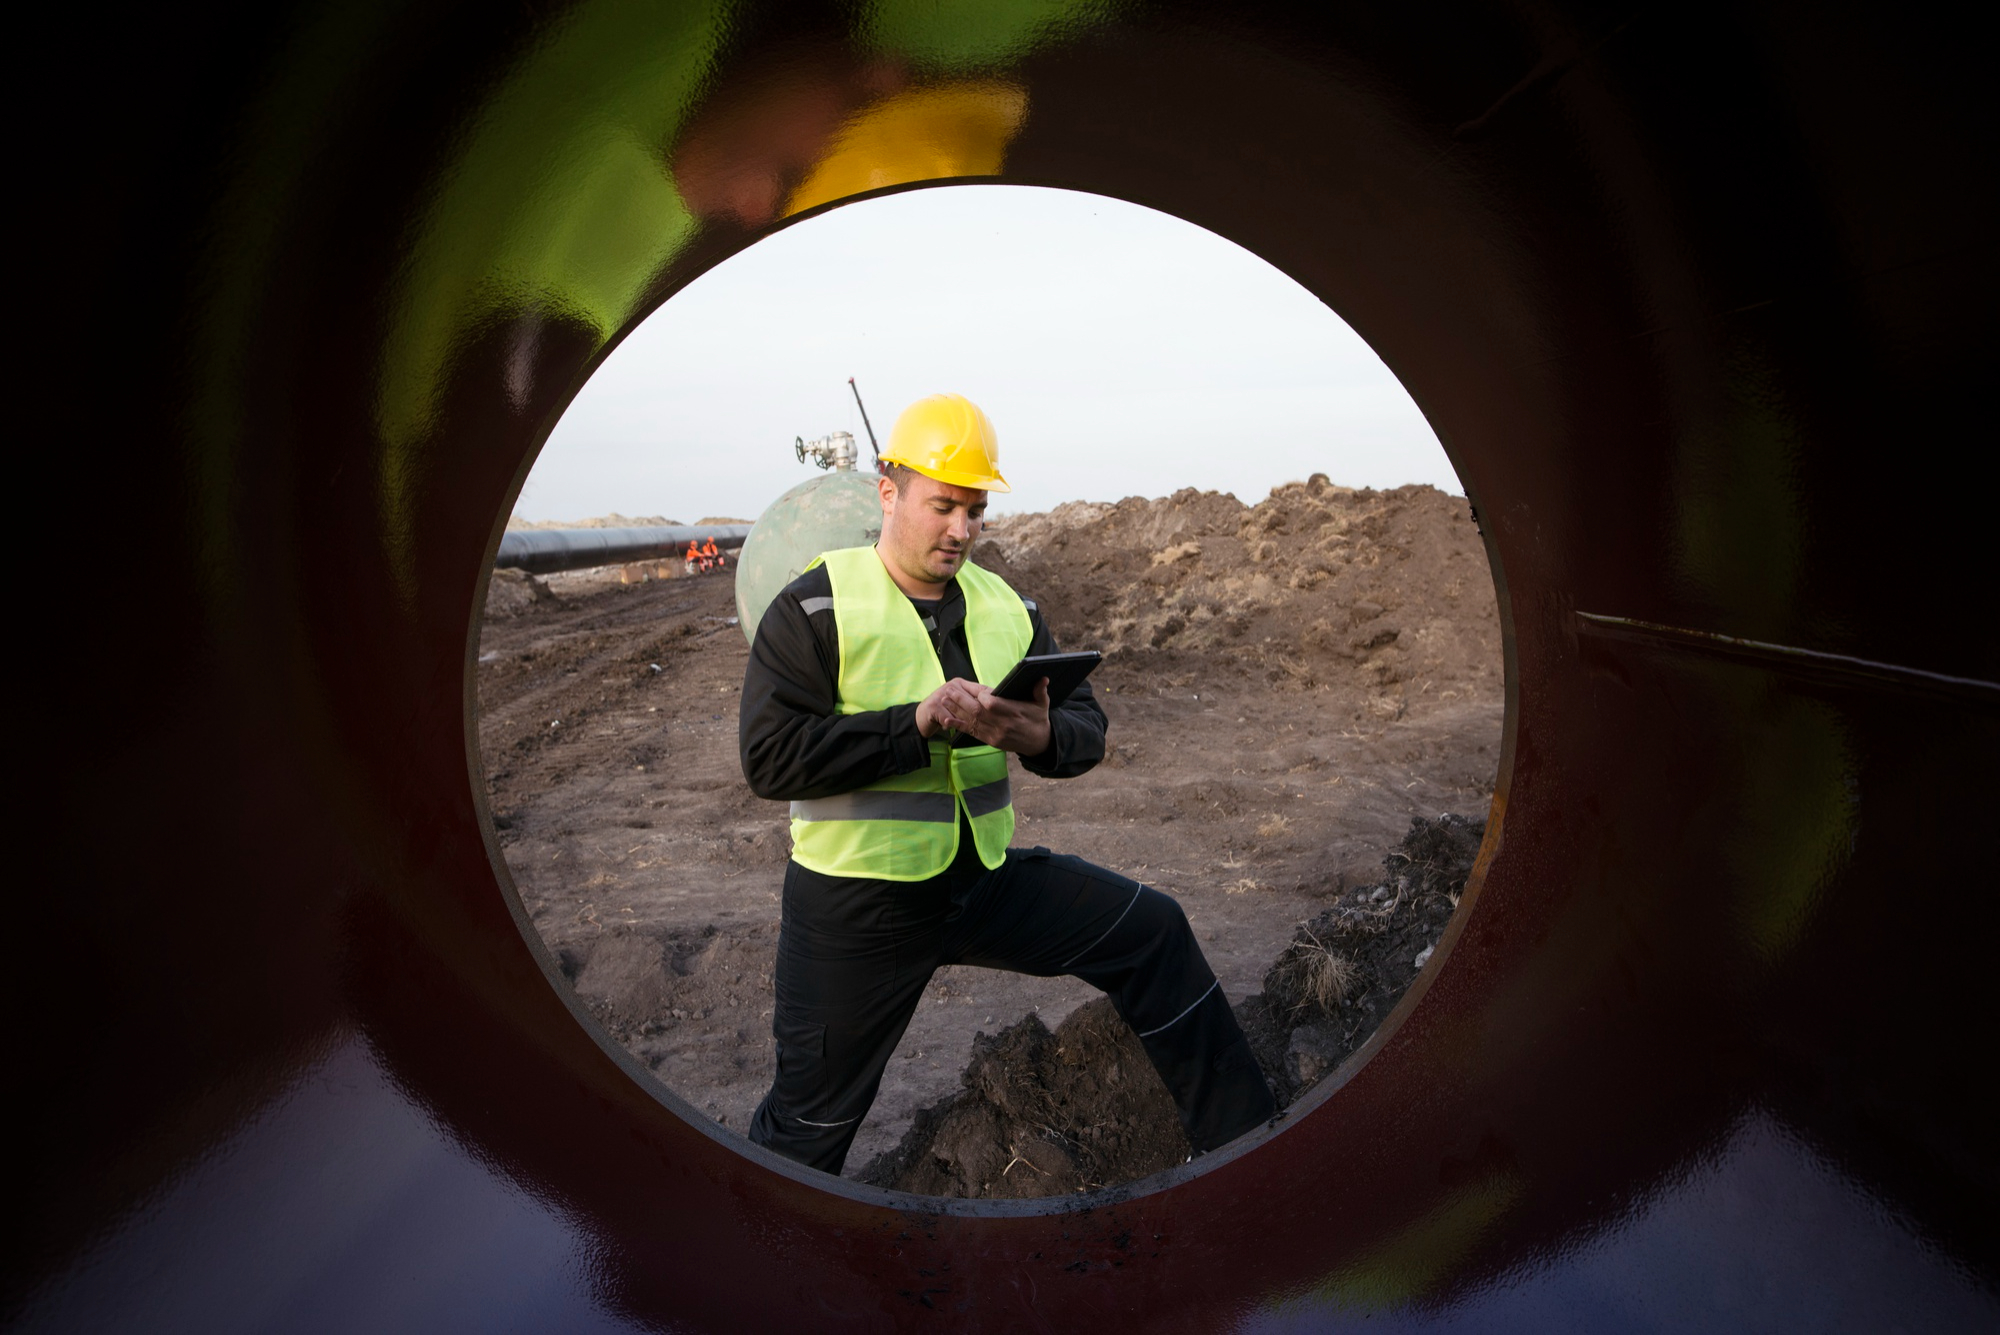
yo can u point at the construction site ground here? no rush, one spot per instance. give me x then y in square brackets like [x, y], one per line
[1288, 685]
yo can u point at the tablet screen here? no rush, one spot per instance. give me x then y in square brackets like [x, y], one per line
[1064, 671]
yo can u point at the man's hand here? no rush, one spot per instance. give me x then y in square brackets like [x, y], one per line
[1020, 726]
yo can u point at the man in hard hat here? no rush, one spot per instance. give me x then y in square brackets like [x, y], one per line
[867, 705]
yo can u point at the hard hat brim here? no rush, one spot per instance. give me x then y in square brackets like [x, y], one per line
[951, 478]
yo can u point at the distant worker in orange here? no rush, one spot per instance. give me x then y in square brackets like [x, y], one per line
[693, 556]
[713, 555]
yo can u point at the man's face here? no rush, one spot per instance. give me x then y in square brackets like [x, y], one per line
[928, 528]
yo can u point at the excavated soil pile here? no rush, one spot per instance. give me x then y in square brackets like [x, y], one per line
[1044, 1114]
[1287, 683]
[1346, 968]
[513, 593]
[1382, 596]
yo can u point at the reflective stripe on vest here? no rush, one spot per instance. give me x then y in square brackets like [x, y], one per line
[905, 827]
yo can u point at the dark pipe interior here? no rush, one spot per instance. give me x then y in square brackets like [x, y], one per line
[1699, 303]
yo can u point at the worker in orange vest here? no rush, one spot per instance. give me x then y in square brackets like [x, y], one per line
[712, 555]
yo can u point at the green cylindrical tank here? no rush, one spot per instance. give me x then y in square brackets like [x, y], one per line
[837, 509]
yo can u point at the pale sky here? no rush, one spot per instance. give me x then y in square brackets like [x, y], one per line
[1118, 351]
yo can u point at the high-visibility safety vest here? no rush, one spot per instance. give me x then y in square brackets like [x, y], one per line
[905, 827]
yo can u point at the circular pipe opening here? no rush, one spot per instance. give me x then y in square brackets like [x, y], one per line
[1289, 623]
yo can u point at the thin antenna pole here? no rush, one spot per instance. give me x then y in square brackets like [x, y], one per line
[865, 422]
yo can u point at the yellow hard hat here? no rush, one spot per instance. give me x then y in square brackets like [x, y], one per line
[947, 438]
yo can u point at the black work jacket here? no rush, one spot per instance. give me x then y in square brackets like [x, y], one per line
[796, 746]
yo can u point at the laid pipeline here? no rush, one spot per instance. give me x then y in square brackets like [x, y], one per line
[544, 551]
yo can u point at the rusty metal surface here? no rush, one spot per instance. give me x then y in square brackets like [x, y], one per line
[1699, 302]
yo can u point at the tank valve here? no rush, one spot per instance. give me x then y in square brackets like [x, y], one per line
[835, 451]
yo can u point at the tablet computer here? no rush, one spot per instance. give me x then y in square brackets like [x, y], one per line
[1064, 671]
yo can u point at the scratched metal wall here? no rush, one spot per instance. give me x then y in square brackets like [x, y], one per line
[1698, 299]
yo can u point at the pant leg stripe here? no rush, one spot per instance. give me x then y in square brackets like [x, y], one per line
[1184, 1014]
[803, 1122]
[1107, 931]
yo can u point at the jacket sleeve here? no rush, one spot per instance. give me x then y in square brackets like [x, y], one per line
[794, 744]
[1076, 726]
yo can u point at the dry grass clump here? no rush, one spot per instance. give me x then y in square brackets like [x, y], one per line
[1312, 976]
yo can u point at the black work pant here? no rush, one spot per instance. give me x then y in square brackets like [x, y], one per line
[854, 956]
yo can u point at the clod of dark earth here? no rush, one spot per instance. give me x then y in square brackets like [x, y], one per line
[1049, 1114]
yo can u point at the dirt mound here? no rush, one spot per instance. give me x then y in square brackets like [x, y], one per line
[1043, 1114]
[511, 593]
[1382, 597]
[1347, 967]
